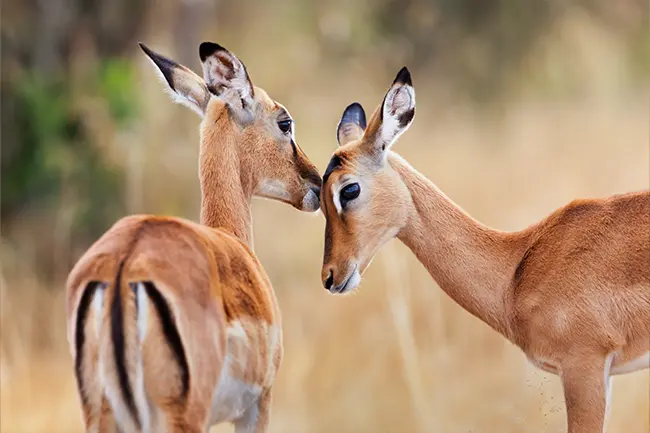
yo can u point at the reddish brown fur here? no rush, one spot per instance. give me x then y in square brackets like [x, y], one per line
[572, 291]
[224, 275]
[597, 252]
[207, 274]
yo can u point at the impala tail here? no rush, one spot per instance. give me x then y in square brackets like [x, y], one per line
[110, 358]
[123, 326]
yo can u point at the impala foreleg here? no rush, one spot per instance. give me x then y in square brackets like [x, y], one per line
[587, 388]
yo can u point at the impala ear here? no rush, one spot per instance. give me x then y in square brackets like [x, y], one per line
[226, 77]
[352, 124]
[394, 116]
[185, 87]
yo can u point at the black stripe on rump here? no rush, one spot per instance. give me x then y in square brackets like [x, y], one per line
[80, 336]
[119, 342]
[171, 333]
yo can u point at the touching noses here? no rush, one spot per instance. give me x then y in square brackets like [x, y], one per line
[313, 179]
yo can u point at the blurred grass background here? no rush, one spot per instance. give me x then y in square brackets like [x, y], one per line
[522, 106]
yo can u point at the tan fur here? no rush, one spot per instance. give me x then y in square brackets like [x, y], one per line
[207, 274]
[572, 291]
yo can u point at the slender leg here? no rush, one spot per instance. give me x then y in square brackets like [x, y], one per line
[256, 419]
[585, 392]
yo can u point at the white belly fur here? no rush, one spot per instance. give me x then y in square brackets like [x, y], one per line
[232, 397]
[636, 364]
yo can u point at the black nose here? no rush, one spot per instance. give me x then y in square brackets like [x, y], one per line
[329, 281]
[316, 190]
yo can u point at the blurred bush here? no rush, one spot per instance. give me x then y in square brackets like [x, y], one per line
[52, 82]
[46, 149]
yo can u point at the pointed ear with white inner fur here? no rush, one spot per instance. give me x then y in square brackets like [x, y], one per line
[185, 87]
[227, 78]
[394, 116]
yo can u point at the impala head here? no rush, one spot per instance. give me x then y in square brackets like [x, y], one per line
[241, 120]
[364, 200]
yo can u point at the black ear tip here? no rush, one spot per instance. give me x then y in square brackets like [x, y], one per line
[354, 106]
[354, 113]
[146, 49]
[403, 77]
[206, 49]
[165, 65]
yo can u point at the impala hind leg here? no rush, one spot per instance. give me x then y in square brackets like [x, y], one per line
[106, 422]
[256, 418]
[185, 427]
[586, 392]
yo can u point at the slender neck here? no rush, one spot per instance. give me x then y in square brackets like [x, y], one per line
[226, 190]
[473, 264]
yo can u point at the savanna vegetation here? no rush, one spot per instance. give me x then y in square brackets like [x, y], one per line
[522, 106]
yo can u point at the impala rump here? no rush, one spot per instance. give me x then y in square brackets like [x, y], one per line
[111, 351]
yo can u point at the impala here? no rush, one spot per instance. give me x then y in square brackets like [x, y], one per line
[174, 326]
[572, 291]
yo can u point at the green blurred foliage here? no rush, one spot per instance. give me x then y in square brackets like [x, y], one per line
[52, 147]
[40, 113]
[116, 85]
[49, 158]
[67, 92]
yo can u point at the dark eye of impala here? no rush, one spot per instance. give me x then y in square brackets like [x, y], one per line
[349, 193]
[285, 125]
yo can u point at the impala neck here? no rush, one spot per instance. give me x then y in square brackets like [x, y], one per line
[226, 187]
[473, 264]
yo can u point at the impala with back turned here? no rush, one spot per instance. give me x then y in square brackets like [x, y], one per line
[173, 325]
